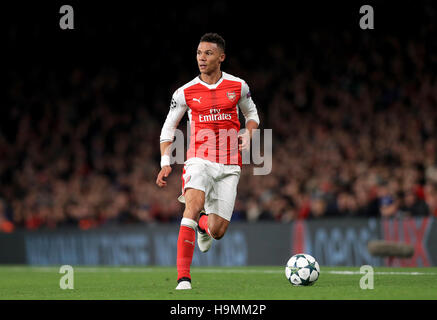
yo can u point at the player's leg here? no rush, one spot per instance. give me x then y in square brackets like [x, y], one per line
[220, 203]
[214, 225]
[194, 202]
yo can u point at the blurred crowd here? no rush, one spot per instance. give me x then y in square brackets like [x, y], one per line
[354, 135]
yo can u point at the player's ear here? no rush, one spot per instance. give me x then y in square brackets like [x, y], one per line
[222, 57]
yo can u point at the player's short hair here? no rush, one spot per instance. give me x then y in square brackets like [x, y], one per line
[214, 38]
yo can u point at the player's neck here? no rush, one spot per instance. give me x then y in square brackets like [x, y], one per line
[211, 78]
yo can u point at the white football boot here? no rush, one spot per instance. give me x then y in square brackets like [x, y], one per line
[184, 284]
[204, 240]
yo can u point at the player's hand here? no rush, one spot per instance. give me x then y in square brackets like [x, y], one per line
[243, 141]
[162, 175]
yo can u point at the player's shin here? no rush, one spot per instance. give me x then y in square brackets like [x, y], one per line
[185, 248]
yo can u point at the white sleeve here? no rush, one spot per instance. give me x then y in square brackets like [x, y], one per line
[246, 104]
[174, 116]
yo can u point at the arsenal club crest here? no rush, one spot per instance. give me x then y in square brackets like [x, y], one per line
[231, 95]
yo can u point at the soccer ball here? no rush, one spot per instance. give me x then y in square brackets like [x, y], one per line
[302, 270]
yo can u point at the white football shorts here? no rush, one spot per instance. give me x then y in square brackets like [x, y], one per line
[218, 181]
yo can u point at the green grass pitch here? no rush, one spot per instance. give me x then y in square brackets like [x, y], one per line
[213, 283]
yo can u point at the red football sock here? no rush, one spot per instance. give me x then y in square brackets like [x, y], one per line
[185, 252]
[203, 223]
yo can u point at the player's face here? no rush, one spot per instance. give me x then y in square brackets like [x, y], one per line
[209, 57]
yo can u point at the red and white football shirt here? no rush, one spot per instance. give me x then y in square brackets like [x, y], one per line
[213, 117]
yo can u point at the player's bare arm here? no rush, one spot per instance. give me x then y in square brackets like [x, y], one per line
[174, 116]
[246, 135]
[166, 168]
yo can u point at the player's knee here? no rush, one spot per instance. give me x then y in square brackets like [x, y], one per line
[217, 232]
